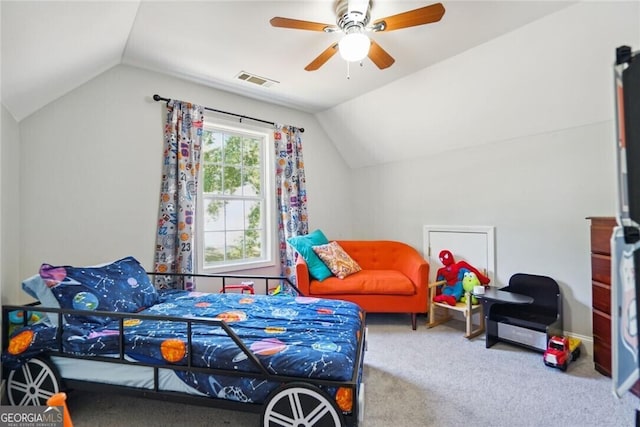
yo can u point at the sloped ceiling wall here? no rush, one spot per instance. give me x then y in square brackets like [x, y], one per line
[50, 48]
[413, 116]
[465, 101]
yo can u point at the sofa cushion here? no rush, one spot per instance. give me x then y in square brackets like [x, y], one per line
[303, 244]
[338, 261]
[374, 282]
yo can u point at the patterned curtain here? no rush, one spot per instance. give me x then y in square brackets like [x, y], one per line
[291, 193]
[178, 193]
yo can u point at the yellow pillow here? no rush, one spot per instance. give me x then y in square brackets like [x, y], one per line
[338, 261]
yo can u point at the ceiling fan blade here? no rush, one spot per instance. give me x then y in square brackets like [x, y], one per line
[379, 56]
[297, 24]
[322, 58]
[421, 16]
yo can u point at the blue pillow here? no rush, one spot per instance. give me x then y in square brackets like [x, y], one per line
[121, 286]
[36, 287]
[304, 244]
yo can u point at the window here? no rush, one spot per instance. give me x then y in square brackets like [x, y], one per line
[235, 230]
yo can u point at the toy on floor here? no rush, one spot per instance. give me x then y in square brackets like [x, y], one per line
[275, 291]
[242, 288]
[60, 399]
[453, 273]
[561, 351]
[282, 289]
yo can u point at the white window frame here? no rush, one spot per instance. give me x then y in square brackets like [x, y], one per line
[268, 185]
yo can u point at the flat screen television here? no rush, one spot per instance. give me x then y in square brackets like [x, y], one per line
[627, 81]
[625, 241]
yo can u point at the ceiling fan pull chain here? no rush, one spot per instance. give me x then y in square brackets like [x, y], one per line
[348, 73]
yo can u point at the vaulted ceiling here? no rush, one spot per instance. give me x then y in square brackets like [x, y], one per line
[51, 47]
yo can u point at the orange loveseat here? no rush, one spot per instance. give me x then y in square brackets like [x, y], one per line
[393, 278]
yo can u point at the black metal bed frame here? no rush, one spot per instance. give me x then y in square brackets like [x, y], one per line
[351, 418]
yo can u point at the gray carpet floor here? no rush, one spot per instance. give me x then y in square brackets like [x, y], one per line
[429, 377]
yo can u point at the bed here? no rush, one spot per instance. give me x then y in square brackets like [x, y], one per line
[291, 358]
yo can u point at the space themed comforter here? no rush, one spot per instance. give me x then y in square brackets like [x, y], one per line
[290, 336]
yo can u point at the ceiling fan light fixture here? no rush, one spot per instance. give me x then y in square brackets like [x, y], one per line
[354, 47]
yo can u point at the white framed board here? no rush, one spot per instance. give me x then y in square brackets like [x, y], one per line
[474, 244]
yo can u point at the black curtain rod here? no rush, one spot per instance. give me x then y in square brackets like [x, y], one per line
[160, 98]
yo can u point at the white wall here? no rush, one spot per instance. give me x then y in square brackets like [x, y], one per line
[527, 145]
[91, 168]
[10, 212]
[536, 191]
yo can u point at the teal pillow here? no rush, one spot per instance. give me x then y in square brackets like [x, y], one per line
[304, 244]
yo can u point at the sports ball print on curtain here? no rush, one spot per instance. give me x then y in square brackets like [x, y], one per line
[291, 193]
[178, 194]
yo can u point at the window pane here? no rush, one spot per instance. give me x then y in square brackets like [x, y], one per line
[234, 211]
[232, 150]
[253, 244]
[235, 245]
[212, 162]
[214, 215]
[253, 214]
[232, 180]
[251, 184]
[212, 146]
[212, 178]
[213, 247]
[253, 229]
[251, 152]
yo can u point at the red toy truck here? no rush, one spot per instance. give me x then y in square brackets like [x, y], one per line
[561, 351]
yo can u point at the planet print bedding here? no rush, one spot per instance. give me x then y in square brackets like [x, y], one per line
[247, 339]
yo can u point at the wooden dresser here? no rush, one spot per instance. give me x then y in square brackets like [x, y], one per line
[601, 230]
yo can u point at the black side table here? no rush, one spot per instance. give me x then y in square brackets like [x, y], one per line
[492, 296]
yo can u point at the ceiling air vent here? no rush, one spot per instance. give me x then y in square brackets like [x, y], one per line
[252, 78]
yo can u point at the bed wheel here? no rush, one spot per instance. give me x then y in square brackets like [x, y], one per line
[300, 405]
[33, 383]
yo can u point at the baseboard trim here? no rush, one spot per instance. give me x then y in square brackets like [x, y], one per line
[587, 343]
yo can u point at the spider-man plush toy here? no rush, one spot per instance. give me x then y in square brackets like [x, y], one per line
[453, 273]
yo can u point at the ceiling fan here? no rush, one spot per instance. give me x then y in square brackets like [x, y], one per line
[352, 18]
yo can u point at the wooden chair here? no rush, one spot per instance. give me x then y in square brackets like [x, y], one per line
[440, 312]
